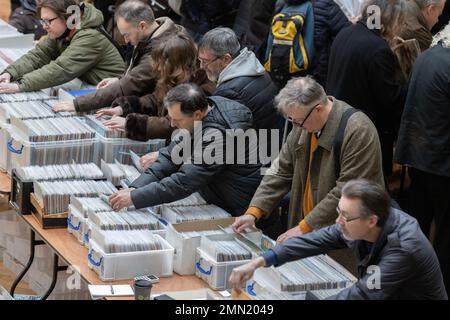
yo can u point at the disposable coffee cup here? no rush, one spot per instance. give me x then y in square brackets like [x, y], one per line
[142, 289]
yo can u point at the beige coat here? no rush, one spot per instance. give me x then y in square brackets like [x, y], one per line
[361, 158]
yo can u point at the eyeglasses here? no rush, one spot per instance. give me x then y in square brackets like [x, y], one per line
[293, 121]
[207, 63]
[47, 22]
[344, 218]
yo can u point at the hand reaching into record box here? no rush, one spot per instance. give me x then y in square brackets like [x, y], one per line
[116, 123]
[9, 88]
[121, 199]
[64, 106]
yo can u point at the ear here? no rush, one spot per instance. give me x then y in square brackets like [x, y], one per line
[198, 115]
[373, 220]
[142, 25]
[227, 58]
[428, 10]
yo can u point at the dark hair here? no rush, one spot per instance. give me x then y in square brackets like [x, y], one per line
[135, 11]
[175, 58]
[374, 199]
[58, 6]
[190, 97]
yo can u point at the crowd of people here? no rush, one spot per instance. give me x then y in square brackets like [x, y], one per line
[371, 92]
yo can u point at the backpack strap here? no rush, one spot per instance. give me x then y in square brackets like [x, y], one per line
[339, 139]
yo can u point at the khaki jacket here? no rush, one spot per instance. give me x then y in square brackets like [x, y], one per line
[360, 158]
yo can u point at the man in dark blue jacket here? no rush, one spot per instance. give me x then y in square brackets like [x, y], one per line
[200, 161]
[396, 260]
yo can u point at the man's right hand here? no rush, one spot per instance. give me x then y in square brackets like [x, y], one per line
[106, 82]
[5, 78]
[148, 159]
[243, 222]
[116, 111]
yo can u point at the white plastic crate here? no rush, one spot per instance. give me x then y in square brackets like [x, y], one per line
[99, 236]
[118, 149]
[185, 247]
[24, 153]
[127, 265]
[5, 158]
[215, 274]
[77, 225]
[334, 276]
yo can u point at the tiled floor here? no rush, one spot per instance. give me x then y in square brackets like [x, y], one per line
[7, 278]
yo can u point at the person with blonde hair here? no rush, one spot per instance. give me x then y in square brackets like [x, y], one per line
[424, 144]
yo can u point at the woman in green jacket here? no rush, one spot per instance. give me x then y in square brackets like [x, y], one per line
[70, 51]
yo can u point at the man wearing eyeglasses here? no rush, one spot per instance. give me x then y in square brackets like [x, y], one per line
[395, 259]
[71, 51]
[308, 166]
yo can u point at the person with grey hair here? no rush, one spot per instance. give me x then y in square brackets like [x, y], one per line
[396, 260]
[422, 15]
[137, 24]
[415, 35]
[329, 145]
[424, 142]
[240, 77]
[363, 70]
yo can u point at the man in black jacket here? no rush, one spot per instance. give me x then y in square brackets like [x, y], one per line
[200, 161]
[240, 77]
[424, 145]
[396, 260]
[362, 71]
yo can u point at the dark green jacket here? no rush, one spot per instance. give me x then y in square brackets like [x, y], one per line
[87, 55]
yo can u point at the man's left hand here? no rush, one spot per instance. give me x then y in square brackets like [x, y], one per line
[121, 199]
[294, 232]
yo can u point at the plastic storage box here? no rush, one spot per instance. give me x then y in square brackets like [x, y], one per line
[185, 247]
[5, 157]
[24, 153]
[119, 149]
[216, 274]
[124, 266]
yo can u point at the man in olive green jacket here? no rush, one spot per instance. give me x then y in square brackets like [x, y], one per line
[314, 197]
[66, 54]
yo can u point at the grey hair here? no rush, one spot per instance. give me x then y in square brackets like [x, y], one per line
[443, 36]
[373, 198]
[220, 41]
[426, 3]
[135, 11]
[300, 92]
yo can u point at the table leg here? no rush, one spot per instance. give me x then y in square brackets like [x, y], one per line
[56, 269]
[33, 244]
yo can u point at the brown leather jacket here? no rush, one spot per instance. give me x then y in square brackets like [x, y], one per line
[149, 119]
[137, 80]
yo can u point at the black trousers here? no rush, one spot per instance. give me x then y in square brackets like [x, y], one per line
[429, 198]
